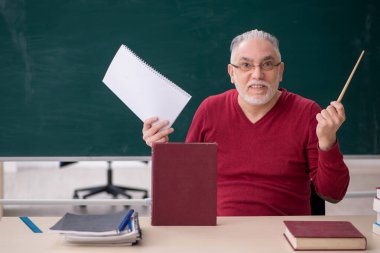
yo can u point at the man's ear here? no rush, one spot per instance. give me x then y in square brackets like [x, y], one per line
[230, 70]
[281, 71]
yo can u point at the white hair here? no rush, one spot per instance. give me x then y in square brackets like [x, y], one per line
[255, 34]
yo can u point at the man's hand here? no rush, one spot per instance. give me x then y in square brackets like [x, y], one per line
[329, 121]
[153, 133]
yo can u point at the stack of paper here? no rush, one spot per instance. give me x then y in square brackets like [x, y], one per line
[376, 208]
[119, 228]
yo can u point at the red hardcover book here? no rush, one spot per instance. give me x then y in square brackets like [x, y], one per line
[184, 181]
[324, 235]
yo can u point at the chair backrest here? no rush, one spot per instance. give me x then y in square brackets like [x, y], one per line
[317, 203]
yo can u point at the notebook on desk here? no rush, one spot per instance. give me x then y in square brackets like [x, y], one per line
[143, 89]
[184, 181]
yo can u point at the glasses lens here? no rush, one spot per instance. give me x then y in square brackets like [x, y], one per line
[268, 65]
[245, 66]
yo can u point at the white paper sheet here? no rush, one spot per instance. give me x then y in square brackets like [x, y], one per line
[145, 91]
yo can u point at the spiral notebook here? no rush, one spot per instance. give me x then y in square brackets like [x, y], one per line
[142, 89]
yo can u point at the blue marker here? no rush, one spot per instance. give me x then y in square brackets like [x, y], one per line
[130, 225]
[30, 224]
[126, 219]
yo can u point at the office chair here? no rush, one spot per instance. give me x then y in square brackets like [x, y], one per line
[317, 203]
[110, 188]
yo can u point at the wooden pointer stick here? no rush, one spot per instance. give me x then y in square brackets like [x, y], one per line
[349, 79]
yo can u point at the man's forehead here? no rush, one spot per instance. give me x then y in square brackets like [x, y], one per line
[255, 50]
[265, 58]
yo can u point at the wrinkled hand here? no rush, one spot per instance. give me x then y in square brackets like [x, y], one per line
[154, 133]
[329, 121]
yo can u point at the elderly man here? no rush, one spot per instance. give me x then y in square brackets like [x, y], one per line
[271, 143]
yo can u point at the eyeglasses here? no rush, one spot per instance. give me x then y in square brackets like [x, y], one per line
[266, 66]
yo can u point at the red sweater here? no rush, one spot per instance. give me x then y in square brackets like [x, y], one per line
[265, 168]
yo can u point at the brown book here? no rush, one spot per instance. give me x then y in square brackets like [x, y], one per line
[184, 181]
[324, 235]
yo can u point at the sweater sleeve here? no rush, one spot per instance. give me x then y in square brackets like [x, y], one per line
[328, 171]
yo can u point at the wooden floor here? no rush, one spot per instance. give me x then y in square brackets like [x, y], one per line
[32, 180]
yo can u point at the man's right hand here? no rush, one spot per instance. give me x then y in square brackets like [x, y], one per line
[153, 133]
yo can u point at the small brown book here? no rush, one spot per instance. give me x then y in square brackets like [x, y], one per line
[184, 184]
[324, 235]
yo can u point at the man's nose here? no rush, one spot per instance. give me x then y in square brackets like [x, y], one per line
[257, 72]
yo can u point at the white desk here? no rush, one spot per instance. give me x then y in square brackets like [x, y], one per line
[232, 234]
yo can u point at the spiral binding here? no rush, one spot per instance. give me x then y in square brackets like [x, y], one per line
[156, 72]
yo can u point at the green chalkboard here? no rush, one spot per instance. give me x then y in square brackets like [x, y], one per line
[54, 54]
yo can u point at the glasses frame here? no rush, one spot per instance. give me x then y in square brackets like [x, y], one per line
[254, 66]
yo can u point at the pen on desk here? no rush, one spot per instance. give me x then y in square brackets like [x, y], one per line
[30, 224]
[126, 219]
[129, 225]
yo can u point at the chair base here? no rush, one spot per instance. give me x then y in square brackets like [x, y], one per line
[109, 188]
[114, 190]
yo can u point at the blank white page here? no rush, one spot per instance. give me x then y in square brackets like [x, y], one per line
[144, 90]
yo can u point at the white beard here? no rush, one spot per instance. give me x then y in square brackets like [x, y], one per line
[243, 92]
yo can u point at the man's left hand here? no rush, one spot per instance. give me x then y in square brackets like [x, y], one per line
[329, 121]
